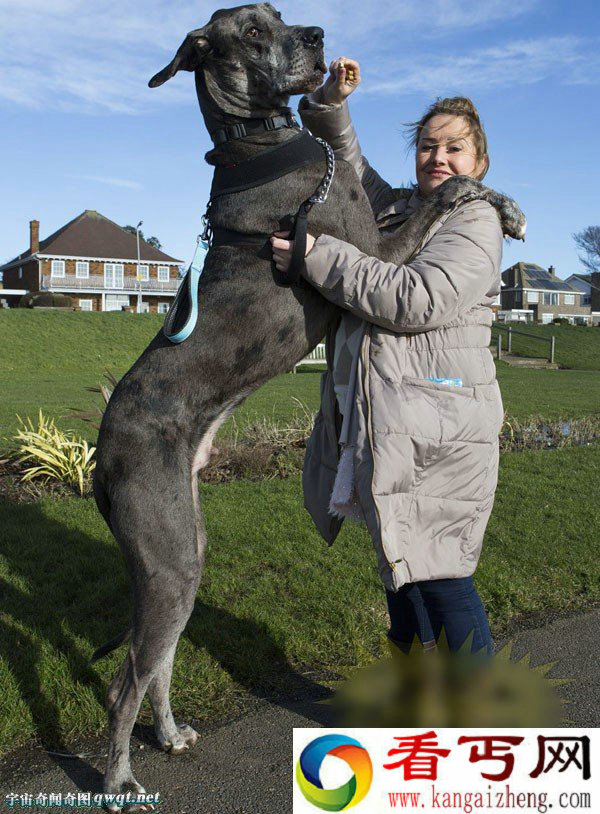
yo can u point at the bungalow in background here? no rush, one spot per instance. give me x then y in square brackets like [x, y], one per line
[95, 262]
[531, 293]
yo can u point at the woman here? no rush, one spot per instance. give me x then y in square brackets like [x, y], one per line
[412, 376]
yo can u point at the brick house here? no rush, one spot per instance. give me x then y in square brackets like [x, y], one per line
[536, 294]
[94, 261]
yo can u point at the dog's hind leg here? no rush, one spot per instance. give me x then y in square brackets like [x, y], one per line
[173, 739]
[159, 539]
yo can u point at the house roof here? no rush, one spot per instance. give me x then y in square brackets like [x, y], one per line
[530, 275]
[92, 235]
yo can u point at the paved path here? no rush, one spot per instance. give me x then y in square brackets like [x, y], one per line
[244, 767]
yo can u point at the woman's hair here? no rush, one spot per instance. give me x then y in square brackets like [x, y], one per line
[455, 106]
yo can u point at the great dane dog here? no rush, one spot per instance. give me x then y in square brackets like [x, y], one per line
[159, 424]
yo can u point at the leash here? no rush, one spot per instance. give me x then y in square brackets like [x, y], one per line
[267, 166]
[175, 328]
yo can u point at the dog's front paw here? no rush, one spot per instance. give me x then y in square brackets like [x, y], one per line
[514, 222]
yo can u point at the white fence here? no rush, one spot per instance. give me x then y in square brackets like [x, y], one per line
[315, 357]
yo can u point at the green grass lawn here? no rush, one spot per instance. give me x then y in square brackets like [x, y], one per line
[48, 359]
[274, 604]
[577, 346]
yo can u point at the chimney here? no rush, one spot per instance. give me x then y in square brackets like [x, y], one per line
[34, 236]
[552, 271]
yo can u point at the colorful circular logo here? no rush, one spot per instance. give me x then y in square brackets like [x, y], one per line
[309, 766]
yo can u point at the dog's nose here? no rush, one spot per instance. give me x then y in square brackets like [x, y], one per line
[313, 35]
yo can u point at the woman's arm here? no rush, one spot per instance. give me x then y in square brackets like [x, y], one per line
[325, 112]
[453, 272]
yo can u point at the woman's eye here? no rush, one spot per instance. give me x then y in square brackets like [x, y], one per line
[253, 32]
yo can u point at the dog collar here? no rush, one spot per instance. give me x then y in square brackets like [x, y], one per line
[249, 127]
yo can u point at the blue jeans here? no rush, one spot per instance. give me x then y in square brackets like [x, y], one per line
[424, 607]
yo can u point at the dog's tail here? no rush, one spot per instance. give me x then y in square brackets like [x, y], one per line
[107, 648]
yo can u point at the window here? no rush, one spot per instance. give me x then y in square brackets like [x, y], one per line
[143, 273]
[547, 318]
[163, 274]
[550, 299]
[82, 270]
[518, 298]
[20, 272]
[86, 305]
[115, 302]
[533, 296]
[569, 299]
[58, 268]
[113, 275]
[163, 307]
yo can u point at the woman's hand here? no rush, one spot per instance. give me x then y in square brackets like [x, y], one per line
[282, 249]
[343, 79]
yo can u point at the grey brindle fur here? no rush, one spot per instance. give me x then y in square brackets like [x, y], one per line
[160, 421]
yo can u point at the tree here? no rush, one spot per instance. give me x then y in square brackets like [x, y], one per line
[589, 242]
[151, 241]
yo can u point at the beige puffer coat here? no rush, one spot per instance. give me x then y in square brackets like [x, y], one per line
[425, 454]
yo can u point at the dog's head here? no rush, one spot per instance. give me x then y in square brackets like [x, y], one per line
[250, 59]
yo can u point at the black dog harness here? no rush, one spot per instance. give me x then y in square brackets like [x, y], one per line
[268, 165]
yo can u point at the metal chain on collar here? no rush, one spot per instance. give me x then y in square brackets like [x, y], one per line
[322, 191]
[319, 196]
[207, 232]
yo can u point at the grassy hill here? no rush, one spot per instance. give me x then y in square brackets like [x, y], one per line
[49, 358]
[577, 346]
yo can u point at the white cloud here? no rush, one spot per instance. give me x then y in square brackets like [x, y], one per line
[96, 56]
[115, 182]
[568, 60]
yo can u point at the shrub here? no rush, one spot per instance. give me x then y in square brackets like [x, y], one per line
[57, 455]
[45, 299]
[560, 321]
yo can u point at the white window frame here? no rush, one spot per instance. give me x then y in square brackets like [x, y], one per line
[85, 307]
[122, 299]
[143, 272]
[569, 299]
[163, 274]
[547, 318]
[113, 272]
[553, 298]
[162, 307]
[57, 268]
[533, 296]
[82, 269]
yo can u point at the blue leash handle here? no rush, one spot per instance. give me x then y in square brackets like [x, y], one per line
[191, 279]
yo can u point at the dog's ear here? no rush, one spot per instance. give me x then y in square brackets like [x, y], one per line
[190, 55]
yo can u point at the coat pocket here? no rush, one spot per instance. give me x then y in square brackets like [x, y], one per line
[436, 439]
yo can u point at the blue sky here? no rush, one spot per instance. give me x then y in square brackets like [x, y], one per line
[81, 129]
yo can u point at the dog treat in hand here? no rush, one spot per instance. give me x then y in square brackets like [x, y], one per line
[350, 75]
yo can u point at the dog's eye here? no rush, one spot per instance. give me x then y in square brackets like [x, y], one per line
[252, 32]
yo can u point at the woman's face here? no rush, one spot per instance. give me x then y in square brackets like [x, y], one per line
[443, 150]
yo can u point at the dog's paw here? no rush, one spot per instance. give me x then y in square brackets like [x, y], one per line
[183, 740]
[116, 801]
[514, 222]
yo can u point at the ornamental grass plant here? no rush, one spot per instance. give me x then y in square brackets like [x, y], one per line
[54, 454]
